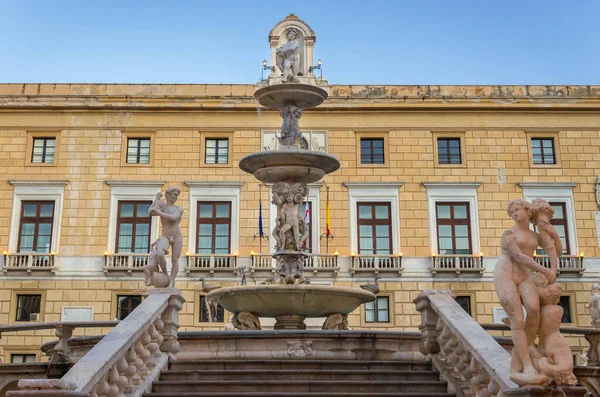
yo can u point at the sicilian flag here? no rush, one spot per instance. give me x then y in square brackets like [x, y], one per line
[261, 233]
[328, 217]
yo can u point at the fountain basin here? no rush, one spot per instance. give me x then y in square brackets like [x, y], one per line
[304, 96]
[304, 300]
[289, 165]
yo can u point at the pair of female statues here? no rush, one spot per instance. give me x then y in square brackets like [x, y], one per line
[551, 360]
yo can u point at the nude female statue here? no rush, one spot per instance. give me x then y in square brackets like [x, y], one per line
[515, 288]
[170, 217]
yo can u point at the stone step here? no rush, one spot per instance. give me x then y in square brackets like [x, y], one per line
[299, 394]
[317, 386]
[299, 374]
[200, 365]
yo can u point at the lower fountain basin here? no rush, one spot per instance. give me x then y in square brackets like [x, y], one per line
[293, 299]
[304, 96]
[289, 165]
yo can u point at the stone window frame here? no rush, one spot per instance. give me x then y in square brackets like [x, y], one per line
[226, 315]
[450, 135]
[314, 194]
[374, 222]
[391, 309]
[472, 304]
[453, 222]
[148, 134]
[130, 294]
[35, 220]
[31, 312]
[31, 135]
[384, 192]
[130, 191]
[135, 221]
[214, 221]
[13, 305]
[10, 350]
[561, 192]
[36, 191]
[29, 354]
[204, 135]
[544, 134]
[452, 192]
[572, 308]
[114, 299]
[214, 191]
[385, 135]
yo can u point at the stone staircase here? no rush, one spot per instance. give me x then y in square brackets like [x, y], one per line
[283, 378]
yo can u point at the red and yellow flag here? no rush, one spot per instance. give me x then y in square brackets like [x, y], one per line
[328, 215]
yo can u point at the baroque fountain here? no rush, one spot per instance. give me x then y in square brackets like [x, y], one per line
[289, 297]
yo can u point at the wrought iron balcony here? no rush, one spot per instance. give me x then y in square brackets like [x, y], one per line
[29, 261]
[211, 263]
[471, 264]
[376, 263]
[125, 261]
[567, 264]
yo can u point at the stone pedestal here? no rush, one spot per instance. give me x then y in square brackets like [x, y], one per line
[290, 321]
[539, 391]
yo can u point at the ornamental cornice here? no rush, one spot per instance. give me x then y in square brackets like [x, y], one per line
[373, 185]
[38, 183]
[121, 183]
[214, 184]
[451, 185]
[547, 185]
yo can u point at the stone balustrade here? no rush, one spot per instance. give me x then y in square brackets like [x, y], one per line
[376, 263]
[211, 263]
[567, 264]
[29, 261]
[313, 263]
[127, 360]
[457, 264]
[125, 261]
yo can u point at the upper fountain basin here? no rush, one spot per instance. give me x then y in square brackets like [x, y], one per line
[303, 96]
[290, 299]
[289, 165]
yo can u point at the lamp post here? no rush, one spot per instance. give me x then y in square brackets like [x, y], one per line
[265, 67]
[312, 69]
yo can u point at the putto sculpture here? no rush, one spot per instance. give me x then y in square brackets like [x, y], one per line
[170, 217]
[288, 57]
[290, 129]
[516, 288]
[594, 306]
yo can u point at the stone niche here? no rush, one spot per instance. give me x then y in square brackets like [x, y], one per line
[278, 37]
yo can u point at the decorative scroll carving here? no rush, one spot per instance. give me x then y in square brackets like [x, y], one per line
[300, 349]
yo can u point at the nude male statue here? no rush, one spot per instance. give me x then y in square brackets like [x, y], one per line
[287, 57]
[170, 217]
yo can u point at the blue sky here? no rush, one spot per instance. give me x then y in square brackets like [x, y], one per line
[360, 42]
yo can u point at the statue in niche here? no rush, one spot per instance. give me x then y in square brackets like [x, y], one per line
[288, 58]
[290, 129]
[516, 287]
[290, 229]
[594, 306]
[170, 217]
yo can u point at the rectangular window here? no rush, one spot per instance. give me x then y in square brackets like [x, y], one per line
[35, 229]
[309, 228]
[214, 227]
[133, 227]
[216, 151]
[464, 302]
[371, 151]
[138, 150]
[559, 221]
[43, 150]
[27, 305]
[126, 304]
[448, 151]
[22, 358]
[217, 313]
[565, 303]
[374, 229]
[542, 150]
[378, 311]
[453, 228]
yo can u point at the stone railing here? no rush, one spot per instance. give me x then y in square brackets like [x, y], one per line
[127, 360]
[262, 262]
[211, 263]
[29, 261]
[322, 262]
[467, 357]
[64, 331]
[125, 261]
[376, 263]
[470, 264]
[567, 264]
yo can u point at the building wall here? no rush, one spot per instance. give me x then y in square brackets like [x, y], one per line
[92, 123]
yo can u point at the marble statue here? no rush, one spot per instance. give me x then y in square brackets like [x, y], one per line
[290, 129]
[336, 322]
[170, 215]
[515, 288]
[288, 58]
[288, 230]
[594, 306]
[541, 214]
[245, 321]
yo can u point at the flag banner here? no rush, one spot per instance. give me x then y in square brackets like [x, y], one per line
[328, 217]
[307, 213]
[261, 233]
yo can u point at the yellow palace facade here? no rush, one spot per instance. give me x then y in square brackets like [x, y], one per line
[420, 198]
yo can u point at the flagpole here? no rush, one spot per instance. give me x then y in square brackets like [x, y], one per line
[327, 226]
[260, 215]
